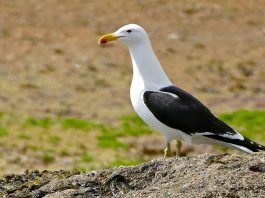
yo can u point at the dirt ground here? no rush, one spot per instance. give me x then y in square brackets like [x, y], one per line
[51, 64]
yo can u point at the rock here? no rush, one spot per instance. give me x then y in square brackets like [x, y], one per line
[205, 175]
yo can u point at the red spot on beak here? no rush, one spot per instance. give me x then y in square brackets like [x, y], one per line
[103, 41]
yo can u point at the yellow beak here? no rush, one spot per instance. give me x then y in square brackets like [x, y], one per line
[107, 38]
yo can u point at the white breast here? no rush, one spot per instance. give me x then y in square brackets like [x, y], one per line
[136, 94]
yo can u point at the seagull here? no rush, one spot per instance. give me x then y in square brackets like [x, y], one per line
[169, 109]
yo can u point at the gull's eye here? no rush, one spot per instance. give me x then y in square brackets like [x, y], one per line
[129, 31]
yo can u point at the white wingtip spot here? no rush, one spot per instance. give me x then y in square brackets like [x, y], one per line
[233, 136]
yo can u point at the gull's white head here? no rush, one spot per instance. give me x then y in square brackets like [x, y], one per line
[130, 35]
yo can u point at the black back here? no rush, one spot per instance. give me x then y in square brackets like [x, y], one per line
[180, 110]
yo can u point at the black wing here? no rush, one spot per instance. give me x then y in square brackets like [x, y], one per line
[180, 110]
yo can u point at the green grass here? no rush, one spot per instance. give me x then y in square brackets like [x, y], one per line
[47, 158]
[3, 131]
[54, 139]
[67, 123]
[87, 158]
[23, 136]
[109, 138]
[33, 147]
[130, 125]
[2, 114]
[105, 141]
[75, 123]
[64, 152]
[250, 123]
[45, 122]
[51, 138]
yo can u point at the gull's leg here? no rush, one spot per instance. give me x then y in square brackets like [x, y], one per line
[178, 148]
[167, 151]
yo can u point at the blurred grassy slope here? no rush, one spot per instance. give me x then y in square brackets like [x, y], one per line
[250, 123]
[73, 143]
[54, 77]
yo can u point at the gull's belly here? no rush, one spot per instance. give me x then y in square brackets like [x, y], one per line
[147, 116]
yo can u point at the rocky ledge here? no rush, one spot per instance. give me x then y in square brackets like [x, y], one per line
[205, 175]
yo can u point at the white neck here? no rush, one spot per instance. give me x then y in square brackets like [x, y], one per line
[146, 67]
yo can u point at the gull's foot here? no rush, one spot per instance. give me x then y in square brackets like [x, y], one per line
[167, 151]
[178, 148]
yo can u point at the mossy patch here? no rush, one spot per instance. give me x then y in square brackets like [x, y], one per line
[87, 158]
[75, 123]
[3, 131]
[54, 139]
[250, 123]
[45, 122]
[66, 139]
[109, 138]
[47, 158]
[130, 125]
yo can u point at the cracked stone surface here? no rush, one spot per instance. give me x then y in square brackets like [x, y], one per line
[204, 175]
